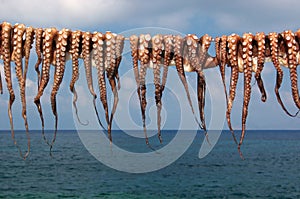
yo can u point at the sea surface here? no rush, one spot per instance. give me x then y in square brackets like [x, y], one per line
[271, 168]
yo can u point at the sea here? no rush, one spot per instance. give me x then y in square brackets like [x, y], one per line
[270, 168]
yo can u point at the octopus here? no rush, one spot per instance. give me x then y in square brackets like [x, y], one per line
[98, 56]
[178, 59]
[86, 56]
[49, 36]
[59, 62]
[114, 47]
[144, 57]
[244, 55]
[157, 47]
[17, 57]
[291, 50]
[274, 43]
[75, 51]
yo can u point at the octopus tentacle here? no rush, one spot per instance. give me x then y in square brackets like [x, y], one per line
[247, 48]
[75, 51]
[98, 46]
[232, 42]
[119, 49]
[157, 47]
[86, 49]
[110, 54]
[274, 45]
[1, 87]
[17, 55]
[49, 37]
[205, 42]
[144, 55]
[292, 50]
[39, 32]
[6, 54]
[30, 33]
[221, 55]
[178, 57]
[60, 61]
[260, 39]
[134, 45]
[168, 55]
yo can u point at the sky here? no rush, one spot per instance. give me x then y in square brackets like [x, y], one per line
[133, 17]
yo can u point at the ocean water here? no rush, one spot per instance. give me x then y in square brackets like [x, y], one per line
[271, 169]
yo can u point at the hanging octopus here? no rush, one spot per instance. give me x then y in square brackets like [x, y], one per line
[156, 57]
[114, 47]
[260, 47]
[59, 62]
[6, 34]
[178, 59]
[86, 56]
[245, 55]
[17, 57]
[49, 36]
[144, 57]
[75, 51]
[291, 50]
[99, 57]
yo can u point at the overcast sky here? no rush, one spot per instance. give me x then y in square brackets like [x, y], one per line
[213, 17]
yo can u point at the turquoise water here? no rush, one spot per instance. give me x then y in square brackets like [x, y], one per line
[271, 169]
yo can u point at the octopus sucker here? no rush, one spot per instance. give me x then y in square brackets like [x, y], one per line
[232, 54]
[49, 36]
[274, 40]
[39, 32]
[60, 61]
[144, 56]
[157, 47]
[261, 48]
[178, 58]
[86, 55]
[75, 51]
[247, 56]
[291, 51]
[99, 57]
[17, 55]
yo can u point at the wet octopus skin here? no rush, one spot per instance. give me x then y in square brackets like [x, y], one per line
[86, 56]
